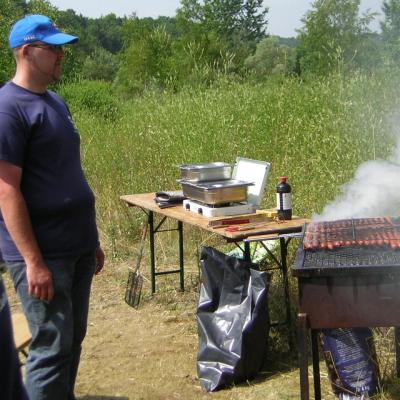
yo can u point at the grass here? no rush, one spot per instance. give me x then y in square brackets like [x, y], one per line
[315, 132]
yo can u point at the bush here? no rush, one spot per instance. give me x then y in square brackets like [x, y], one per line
[94, 96]
[271, 58]
[100, 65]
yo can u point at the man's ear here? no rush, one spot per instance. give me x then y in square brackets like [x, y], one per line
[25, 51]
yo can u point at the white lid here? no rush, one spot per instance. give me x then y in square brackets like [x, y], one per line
[252, 171]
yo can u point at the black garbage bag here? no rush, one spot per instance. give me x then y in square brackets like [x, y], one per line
[232, 318]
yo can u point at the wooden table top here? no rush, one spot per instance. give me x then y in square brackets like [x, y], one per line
[146, 201]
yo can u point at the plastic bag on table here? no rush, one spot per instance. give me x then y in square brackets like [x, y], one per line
[233, 320]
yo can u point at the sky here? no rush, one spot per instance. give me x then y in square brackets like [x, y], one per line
[284, 16]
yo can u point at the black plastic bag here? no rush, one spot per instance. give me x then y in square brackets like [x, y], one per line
[233, 320]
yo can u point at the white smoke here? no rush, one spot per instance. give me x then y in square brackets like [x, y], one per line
[373, 192]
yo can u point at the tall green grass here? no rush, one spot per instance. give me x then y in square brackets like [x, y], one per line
[315, 132]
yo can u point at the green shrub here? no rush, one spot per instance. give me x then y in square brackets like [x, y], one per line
[94, 96]
[100, 65]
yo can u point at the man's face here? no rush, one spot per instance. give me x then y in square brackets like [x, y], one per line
[46, 61]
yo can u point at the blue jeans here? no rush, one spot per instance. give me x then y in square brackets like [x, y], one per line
[58, 328]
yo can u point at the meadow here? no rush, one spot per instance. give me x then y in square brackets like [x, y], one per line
[316, 132]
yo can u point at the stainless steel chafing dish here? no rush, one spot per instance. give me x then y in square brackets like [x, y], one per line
[215, 171]
[218, 192]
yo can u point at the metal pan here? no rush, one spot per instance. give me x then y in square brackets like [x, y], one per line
[215, 171]
[218, 192]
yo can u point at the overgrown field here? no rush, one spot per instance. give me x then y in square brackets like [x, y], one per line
[315, 132]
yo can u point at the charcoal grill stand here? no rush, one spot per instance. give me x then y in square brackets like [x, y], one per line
[343, 301]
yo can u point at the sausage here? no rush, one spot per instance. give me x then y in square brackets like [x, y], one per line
[323, 244]
[379, 239]
[307, 245]
[396, 236]
[385, 238]
[392, 239]
[388, 221]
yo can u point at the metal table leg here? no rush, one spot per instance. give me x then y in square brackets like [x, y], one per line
[181, 267]
[282, 266]
[152, 255]
[246, 252]
[152, 231]
[283, 248]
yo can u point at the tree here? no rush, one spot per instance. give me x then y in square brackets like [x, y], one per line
[11, 10]
[333, 36]
[391, 24]
[254, 20]
[101, 65]
[107, 32]
[146, 61]
[271, 57]
[237, 24]
[228, 18]
[391, 28]
[43, 7]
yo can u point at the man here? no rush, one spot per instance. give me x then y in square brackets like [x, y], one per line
[48, 234]
[10, 374]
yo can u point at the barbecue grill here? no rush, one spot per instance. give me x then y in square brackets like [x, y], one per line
[348, 276]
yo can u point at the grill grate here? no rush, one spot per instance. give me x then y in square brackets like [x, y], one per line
[368, 245]
[364, 232]
[352, 257]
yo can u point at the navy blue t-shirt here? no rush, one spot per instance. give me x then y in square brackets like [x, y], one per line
[38, 135]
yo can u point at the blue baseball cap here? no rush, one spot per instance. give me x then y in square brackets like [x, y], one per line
[37, 28]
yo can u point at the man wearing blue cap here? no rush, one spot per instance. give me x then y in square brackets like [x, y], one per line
[10, 374]
[48, 233]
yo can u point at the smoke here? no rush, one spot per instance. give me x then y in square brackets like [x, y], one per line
[373, 192]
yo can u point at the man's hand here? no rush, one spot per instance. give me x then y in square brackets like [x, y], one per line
[99, 260]
[40, 282]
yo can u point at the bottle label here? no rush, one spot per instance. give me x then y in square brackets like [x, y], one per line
[284, 201]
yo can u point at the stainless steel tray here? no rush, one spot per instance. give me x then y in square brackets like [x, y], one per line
[218, 192]
[215, 171]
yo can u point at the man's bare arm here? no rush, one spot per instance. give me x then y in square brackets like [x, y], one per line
[18, 223]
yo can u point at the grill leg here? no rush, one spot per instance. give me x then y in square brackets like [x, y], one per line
[397, 349]
[315, 359]
[303, 359]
